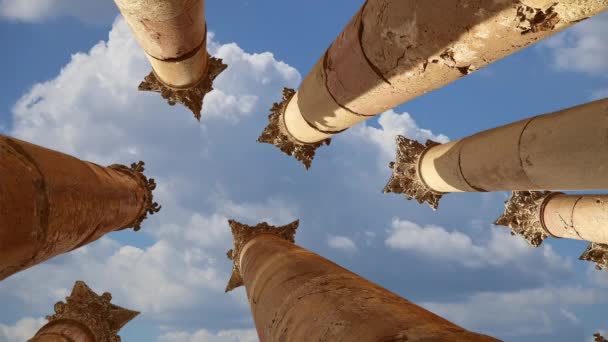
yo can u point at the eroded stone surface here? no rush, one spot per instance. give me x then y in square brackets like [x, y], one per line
[276, 134]
[522, 215]
[597, 253]
[405, 178]
[242, 233]
[136, 171]
[191, 97]
[103, 318]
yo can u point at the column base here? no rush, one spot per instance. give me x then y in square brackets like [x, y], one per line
[191, 97]
[243, 233]
[523, 215]
[597, 253]
[406, 178]
[150, 207]
[276, 133]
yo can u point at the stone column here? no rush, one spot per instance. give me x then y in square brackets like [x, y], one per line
[395, 50]
[85, 317]
[52, 203]
[297, 295]
[536, 215]
[173, 34]
[565, 150]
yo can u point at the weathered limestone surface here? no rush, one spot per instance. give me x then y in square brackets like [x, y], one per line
[297, 295]
[173, 35]
[395, 50]
[85, 317]
[565, 150]
[52, 203]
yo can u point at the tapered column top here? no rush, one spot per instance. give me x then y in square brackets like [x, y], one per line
[243, 233]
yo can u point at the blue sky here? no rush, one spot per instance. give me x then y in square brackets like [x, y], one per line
[71, 70]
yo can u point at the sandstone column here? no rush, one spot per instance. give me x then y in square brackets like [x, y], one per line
[52, 203]
[297, 295]
[173, 34]
[536, 215]
[85, 317]
[395, 50]
[565, 150]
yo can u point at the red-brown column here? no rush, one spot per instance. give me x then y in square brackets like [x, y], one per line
[173, 34]
[395, 50]
[536, 215]
[296, 295]
[85, 317]
[52, 203]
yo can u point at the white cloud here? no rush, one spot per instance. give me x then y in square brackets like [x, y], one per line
[342, 243]
[525, 312]
[391, 125]
[582, 48]
[92, 11]
[434, 242]
[234, 335]
[23, 330]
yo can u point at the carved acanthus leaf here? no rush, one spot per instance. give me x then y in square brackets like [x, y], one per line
[597, 253]
[190, 97]
[599, 338]
[103, 318]
[276, 134]
[137, 172]
[243, 233]
[523, 215]
[405, 178]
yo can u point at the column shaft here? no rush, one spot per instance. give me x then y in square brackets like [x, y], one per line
[296, 295]
[395, 50]
[64, 331]
[52, 203]
[581, 217]
[565, 150]
[173, 36]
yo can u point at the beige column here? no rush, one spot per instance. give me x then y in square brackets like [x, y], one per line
[85, 317]
[173, 34]
[297, 295]
[395, 50]
[52, 203]
[536, 215]
[565, 150]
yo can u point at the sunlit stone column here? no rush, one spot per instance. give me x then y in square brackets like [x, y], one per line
[297, 295]
[85, 317]
[173, 34]
[52, 203]
[536, 215]
[565, 150]
[395, 50]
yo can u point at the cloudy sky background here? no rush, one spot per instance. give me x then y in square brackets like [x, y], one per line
[70, 73]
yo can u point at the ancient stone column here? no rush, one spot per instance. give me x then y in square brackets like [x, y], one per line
[52, 203]
[173, 34]
[297, 295]
[565, 150]
[85, 317]
[536, 215]
[395, 50]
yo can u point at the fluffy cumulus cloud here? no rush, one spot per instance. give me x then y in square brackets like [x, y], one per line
[22, 330]
[175, 269]
[342, 243]
[530, 312]
[92, 11]
[435, 242]
[583, 48]
[233, 335]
